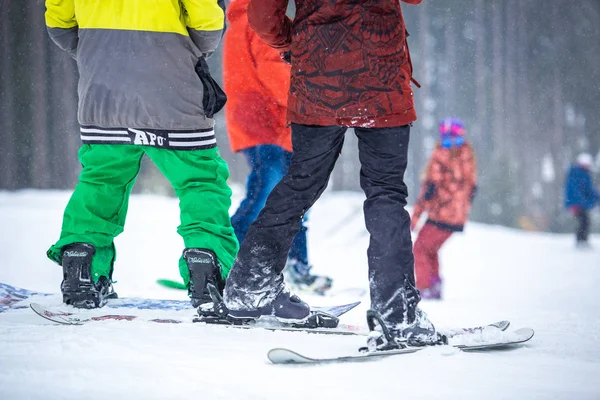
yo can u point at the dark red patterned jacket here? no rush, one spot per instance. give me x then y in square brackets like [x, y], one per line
[350, 60]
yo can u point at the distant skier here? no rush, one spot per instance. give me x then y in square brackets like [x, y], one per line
[144, 89]
[257, 81]
[350, 68]
[446, 196]
[581, 196]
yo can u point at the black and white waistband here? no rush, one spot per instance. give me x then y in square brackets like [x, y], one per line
[175, 140]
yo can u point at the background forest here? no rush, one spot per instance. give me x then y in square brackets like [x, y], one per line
[524, 75]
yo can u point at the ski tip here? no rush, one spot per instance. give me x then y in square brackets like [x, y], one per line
[519, 337]
[525, 333]
[171, 284]
[286, 356]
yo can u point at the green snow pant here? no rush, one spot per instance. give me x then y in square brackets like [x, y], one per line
[97, 209]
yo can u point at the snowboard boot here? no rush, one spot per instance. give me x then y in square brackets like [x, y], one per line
[204, 269]
[78, 288]
[414, 330]
[285, 307]
[298, 277]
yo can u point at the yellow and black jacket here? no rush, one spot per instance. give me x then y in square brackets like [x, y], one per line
[136, 59]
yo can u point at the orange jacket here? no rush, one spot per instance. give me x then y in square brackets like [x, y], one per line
[449, 188]
[257, 82]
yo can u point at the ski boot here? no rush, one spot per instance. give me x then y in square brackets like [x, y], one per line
[298, 277]
[204, 269]
[78, 288]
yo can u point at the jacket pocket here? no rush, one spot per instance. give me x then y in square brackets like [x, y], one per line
[213, 98]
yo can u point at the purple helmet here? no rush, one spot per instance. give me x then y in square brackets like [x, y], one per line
[452, 126]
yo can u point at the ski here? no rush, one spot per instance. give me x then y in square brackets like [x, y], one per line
[287, 356]
[517, 337]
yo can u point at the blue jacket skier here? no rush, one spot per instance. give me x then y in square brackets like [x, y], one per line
[581, 196]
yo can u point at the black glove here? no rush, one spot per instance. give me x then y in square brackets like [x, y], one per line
[429, 192]
[473, 193]
[214, 98]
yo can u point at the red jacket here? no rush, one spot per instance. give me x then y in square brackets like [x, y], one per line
[449, 188]
[350, 60]
[257, 82]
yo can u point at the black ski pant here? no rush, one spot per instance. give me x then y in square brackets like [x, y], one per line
[383, 156]
[583, 225]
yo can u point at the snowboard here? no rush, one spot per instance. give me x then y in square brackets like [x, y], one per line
[68, 318]
[287, 356]
[11, 296]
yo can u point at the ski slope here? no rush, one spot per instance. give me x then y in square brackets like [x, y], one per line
[491, 273]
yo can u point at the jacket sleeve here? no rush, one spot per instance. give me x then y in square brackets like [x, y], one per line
[267, 18]
[205, 20]
[62, 25]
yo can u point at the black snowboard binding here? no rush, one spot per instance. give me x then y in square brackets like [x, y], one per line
[78, 287]
[219, 314]
[204, 270]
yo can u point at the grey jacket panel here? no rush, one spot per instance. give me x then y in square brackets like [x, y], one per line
[207, 41]
[139, 79]
[65, 38]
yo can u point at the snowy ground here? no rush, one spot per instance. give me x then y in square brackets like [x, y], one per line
[491, 273]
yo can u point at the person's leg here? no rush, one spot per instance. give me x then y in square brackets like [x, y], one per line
[97, 209]
[199, 178]
[256, 279]
[383, 154]
[431, 286]
[266, 170]
[439, 237]
[297, 270]
[299, 249]
[579, 226]
[423, 257]
[584, 226]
